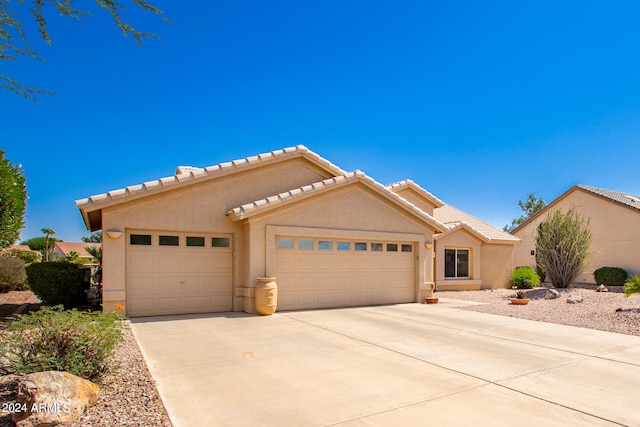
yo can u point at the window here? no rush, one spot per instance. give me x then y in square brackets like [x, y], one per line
[140, 239]
[407, 248]
[285, 243]
[392, 247]
[305, 244]
[220, 242]
[376, 247]
[456, 263]
[360, 246]
[344, 246]
[325, 245]
[195, 241]
[168, 240]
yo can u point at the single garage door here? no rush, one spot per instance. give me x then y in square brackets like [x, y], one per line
[316, 272]
[178, 273]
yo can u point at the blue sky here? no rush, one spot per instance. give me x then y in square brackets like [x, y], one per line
[481, 103]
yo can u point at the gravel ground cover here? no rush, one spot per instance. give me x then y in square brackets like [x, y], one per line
[606, 311]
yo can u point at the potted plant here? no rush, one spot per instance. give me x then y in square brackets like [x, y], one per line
[520, 299]
[430, 298]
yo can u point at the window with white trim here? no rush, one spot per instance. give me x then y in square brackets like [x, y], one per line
[456, 263]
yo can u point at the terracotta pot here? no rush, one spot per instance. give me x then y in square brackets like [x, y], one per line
[519, 301]
[431, 300]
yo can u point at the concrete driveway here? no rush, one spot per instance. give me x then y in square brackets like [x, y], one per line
[409, 364]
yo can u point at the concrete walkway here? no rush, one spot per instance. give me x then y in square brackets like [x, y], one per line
[409, 364]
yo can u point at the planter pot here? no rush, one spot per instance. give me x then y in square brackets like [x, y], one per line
[266, 294]
[431, 300]
[521, 301]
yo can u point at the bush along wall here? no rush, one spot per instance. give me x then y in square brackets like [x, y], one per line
[57, 283]
[524, 278]
[610, 276]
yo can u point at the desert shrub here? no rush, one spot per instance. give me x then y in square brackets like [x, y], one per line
[12, 274]
[524, 278]
[541, 274]
[563, 242]
[610, 276]
[632, 286]
[53, 339]
[27, 256]
[57, 283]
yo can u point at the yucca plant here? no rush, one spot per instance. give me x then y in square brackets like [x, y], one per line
[521, 295]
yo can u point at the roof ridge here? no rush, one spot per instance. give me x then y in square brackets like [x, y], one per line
[192, 173]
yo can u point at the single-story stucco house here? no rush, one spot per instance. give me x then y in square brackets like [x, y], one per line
[198, 240]
[63, 249]
[614, 221]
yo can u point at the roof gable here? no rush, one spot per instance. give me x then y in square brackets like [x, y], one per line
[91, 207]
[622, 199]
[284, 199]
[79, 247]
[409, 184]
[455, 220]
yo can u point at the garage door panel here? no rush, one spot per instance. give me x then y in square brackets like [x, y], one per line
[180, 279]
[332, 278]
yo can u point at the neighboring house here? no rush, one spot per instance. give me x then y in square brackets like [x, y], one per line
[62, 249]
[614, 221]
[197, 241]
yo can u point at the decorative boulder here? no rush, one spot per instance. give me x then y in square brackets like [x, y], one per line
[52, 398]
[602, 288]
[552, 294]
[573, 299]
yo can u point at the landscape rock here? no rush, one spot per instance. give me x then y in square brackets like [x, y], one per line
[602, 288]
[51, 398]
[552, 294]
[573, 299]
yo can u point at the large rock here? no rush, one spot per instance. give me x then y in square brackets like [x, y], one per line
[51, 398]
[602, 288]
[573, 299]
[552, 294]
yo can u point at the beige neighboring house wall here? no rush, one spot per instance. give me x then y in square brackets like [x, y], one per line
[197, 241]
[614, 221]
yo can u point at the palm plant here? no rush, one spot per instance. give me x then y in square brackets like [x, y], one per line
[48, 232]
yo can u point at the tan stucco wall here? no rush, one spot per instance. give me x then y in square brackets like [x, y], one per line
[417, 199]
[198, 207]
[351, 211]
[615, 232]
[497, 266]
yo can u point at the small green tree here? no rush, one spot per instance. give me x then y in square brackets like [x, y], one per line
[13, 200]
[563, 242]
[530, 207]
[93, 238]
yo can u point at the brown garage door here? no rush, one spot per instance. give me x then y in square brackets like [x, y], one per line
[177, 273]
[316, 272]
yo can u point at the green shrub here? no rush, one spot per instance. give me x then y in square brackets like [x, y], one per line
[610, 276]
[632, 286]
[57, 283]
[541, 274]
[27, 256]
[524, 278]
[53, 339]
[12, 274]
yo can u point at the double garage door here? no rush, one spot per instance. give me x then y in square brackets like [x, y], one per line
[175, 273]
[317, 272]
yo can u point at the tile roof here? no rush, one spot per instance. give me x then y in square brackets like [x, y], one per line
[188, 174]
[78, 247]
[408, 183]
[250, 209]
[622, 198]
[455, 219]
